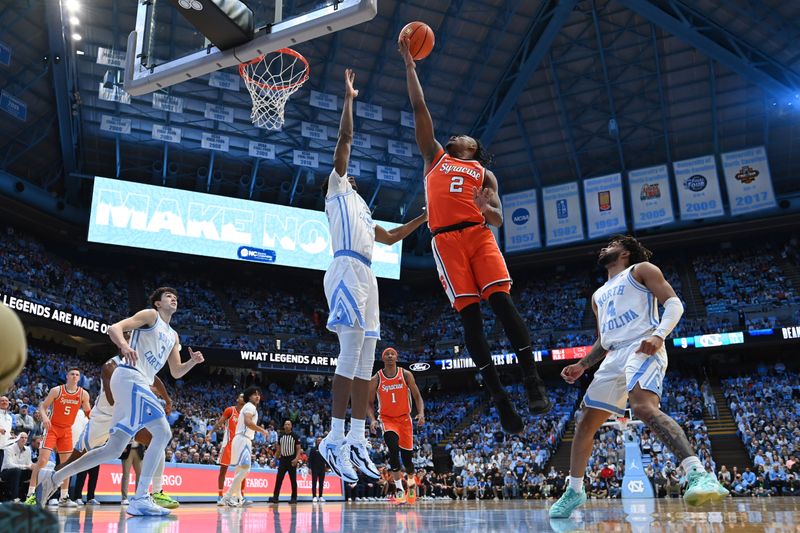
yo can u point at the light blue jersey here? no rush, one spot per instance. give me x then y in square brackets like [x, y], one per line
[626, 310]
[153, 345]
[351, 225]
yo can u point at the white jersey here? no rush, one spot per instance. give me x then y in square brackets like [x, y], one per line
[351, 225]
[626, 310]
[241, 428]
[153, 346]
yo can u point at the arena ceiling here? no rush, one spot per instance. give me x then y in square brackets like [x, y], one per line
[560, 90]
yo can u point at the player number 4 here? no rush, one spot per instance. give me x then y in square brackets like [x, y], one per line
[456, 184]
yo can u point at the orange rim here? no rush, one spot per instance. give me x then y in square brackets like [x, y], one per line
[287, 51]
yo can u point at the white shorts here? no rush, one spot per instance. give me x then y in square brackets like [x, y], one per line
[96, 431]
[135, 405]
[352, 293]
[241, 451]
[619, 373]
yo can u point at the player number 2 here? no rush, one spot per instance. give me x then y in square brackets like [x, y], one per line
[394, 400]
[456, 183]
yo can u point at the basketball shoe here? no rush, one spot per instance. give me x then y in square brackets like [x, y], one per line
[162, 499]
[568, 502]
[359, 456]
[144, 506]
[337, 455]
[703, 487]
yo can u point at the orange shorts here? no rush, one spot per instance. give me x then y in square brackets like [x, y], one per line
[58, 439]
[470, 265]
[401, 425]
[224, 458]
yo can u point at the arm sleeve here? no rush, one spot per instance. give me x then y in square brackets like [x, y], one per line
[673, 310]
[337, 184]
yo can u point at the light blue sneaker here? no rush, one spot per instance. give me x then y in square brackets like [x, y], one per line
[703, 487]
[567, 503]
[145, 506]
[337, 455]
[46, 487]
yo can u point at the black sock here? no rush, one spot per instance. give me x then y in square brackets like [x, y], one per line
[516, 331]
[478, 348]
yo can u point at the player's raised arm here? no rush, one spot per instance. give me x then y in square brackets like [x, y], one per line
[488, 201]
[399, 233]
[418, 401]
[144, 318]
[423, 123]
[179, 369]
[341, 156]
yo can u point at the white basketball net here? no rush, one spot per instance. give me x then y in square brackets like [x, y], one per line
[271, 79]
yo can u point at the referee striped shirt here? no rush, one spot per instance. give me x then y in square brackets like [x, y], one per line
[288, 445]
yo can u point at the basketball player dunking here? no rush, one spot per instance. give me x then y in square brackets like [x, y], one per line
[461, 197]
[352, 293]
[153, 344]
[228, 420]
[394, 387]
[63, 402]
[631, 345]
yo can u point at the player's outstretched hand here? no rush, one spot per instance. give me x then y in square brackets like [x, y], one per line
[373, 427]
[420, 419]
[349, 78]
[402, 47]
[651, 345]
[129, 355]
[197, 357]
[482, 198]
[571, 373]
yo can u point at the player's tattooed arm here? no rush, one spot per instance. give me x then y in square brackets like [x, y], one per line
[595, 355]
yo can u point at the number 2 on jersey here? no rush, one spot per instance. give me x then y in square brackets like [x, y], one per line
[456, 183]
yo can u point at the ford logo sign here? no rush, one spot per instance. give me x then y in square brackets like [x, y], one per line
[695, 183]
[419, 367]
[520, 216]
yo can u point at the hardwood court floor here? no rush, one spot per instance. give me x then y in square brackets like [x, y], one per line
[740, 514]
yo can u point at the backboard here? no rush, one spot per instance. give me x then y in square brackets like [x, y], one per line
[164, 49]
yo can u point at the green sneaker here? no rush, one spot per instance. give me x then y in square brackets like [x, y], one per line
[31, 500]
[164, 500]
[703, 487]
[567, 503]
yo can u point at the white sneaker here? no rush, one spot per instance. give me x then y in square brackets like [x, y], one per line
[221, 502]
[66, 502]
[124, 502]
[321, 499]
[52, 502]
[359, 456]
[314, 499]
[80, 502]
[337, 455]
[93, 501]
[145, 506]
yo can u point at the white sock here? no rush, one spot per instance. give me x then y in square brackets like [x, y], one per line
[337, 429]
[356, 430]
[692, 462]
[399, 483]
[158, 477]
[576, 483]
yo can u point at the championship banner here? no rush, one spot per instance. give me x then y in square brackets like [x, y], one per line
[698, 188]
[521, 221]
[198, 483]
[651, 199]
[605, 211]
[748, 180]
[562, 213]
[173, 220]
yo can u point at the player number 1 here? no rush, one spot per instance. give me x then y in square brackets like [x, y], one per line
[456, 183]
[394, 400]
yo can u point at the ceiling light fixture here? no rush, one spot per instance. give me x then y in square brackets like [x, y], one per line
[76, 37]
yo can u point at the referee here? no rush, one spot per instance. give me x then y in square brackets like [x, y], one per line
[289, 451]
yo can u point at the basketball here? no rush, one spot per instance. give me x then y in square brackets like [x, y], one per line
[420, 39]
[13, 348]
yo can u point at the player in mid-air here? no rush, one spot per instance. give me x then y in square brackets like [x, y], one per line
[631, 345]
[352, 293]
[242, 445]
[461, 197]
[394, 387]
[153, 344]
[228, 420]
[58, 411]
[98, 428]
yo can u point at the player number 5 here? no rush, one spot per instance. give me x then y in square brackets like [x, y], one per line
[456, 183]
[67, 409]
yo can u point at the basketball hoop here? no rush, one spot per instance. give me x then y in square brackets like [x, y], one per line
[271, 79]
[623, 423]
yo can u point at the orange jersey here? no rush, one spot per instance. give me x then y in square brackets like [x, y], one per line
[233, 418]
[394, 397]
[65, 407]
[448, 191]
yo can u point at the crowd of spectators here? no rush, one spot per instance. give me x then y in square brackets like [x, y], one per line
[766, 408]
